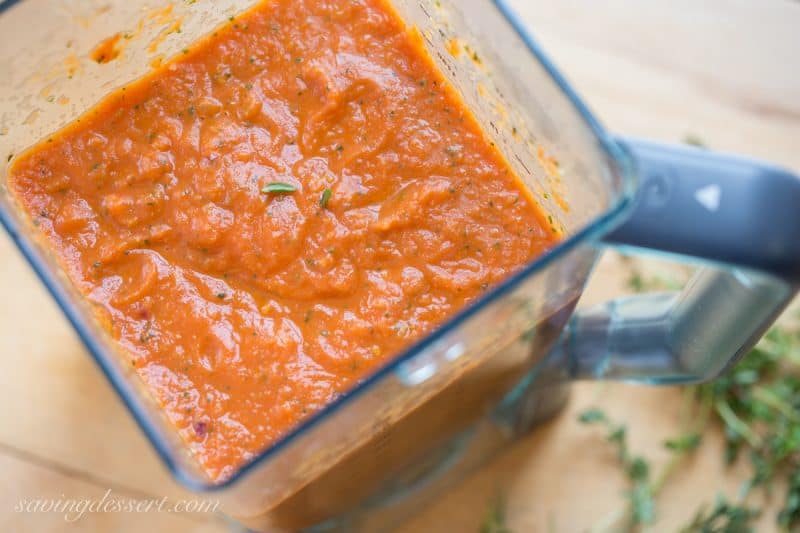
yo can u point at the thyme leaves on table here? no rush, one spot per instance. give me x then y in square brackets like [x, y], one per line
[757, 405]
[637, 469]
[644, 482]
[723, 517]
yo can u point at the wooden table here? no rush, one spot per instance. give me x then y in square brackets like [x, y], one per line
[725, 71]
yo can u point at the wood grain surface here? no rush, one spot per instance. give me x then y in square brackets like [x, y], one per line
[725, 71]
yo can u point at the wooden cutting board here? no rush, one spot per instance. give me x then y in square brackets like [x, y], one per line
[722, 70]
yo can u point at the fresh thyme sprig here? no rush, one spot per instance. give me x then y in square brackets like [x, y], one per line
[644, 484]
[723, 517]
[640, 494]
[757, 405]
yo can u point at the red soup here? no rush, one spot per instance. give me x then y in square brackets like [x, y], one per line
[268, 218]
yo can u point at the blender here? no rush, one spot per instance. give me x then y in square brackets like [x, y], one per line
[497, 368]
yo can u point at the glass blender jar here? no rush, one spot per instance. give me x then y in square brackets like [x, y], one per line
[501, 365]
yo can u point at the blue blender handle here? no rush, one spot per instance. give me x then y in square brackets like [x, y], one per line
[740, 216]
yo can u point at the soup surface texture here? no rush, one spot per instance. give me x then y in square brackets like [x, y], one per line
[268, 218]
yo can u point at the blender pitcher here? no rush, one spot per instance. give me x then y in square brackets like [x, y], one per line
[488, 374]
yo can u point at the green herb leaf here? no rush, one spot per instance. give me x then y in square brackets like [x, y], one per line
[638, 469]
[591, 416]
[694, 140]
[790, 514]
[685, 443]
[642, 504]
[724, 517]
[277, 187]
[618, 435]
[757, 405]
[325, 198]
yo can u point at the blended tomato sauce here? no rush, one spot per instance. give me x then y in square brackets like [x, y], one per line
[270, 217]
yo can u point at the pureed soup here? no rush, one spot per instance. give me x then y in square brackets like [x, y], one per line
[270, 217]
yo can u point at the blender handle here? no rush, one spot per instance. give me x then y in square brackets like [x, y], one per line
[742, 217]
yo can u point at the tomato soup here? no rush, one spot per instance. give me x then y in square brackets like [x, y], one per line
[268, 218]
